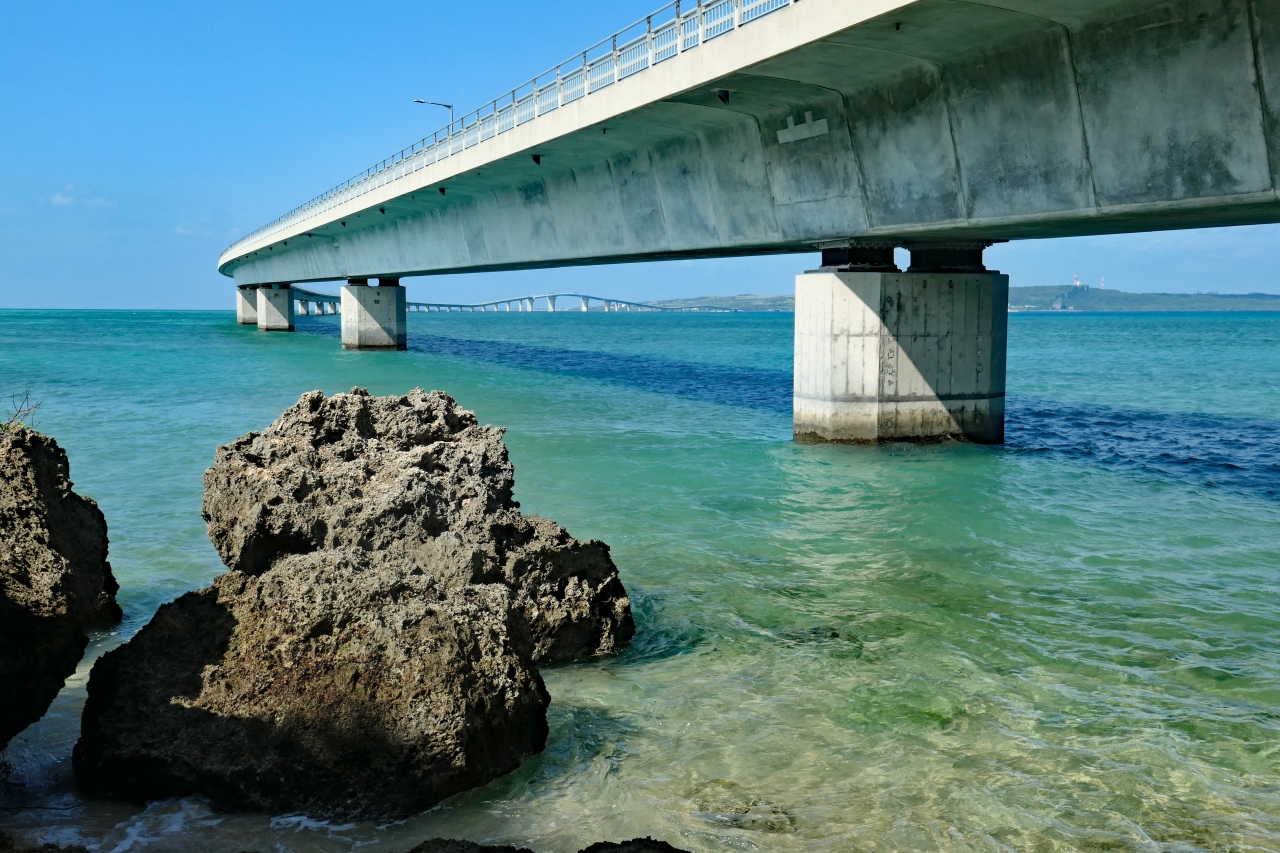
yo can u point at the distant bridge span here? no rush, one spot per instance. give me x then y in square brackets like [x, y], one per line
[741, 127]
[309, 302]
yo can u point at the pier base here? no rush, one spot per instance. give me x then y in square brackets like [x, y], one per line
[246, 306]
[893, 356]
[275, 308]
[374, 317]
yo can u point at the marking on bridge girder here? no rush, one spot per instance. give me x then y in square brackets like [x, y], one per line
[794, 133]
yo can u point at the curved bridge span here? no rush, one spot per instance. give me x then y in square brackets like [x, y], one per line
[310, 302]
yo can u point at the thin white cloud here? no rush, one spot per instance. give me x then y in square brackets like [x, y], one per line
[69, 197]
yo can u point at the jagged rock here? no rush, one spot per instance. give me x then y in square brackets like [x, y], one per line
[55, 582]
[340, 682]
[415, 475]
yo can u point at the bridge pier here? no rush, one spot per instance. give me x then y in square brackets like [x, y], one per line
[373, 318]
[275, 308]
[246, 305]
[883, 355]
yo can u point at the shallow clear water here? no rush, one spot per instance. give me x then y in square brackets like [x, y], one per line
[1071, 642]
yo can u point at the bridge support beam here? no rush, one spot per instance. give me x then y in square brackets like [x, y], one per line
[247, 305]
[882, 355]
[374, 317]
[275, 308]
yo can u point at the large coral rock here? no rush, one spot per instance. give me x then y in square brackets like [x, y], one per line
[417, 475]
[342, 683]
[55, 582]
[373, 649]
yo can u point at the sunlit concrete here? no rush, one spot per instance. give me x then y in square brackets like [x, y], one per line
[374, 318]
[275, 308]
[891, 356]
[246, 306]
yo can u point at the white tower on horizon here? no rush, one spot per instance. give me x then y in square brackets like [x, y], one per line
[1103, 284]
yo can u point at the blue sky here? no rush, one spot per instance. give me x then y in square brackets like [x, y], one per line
[140, 139]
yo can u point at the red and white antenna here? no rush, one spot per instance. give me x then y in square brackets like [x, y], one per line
[1076, 276]
[1103, 284]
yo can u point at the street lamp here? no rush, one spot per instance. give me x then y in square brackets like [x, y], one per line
[448, 107]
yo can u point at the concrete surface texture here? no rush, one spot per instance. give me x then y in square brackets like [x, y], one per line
[246, 306]
[373, 317]
[933, 119]
[275, 309]
[900, 356]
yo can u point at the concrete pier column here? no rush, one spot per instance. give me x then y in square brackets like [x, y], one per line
[528, 305]
[247, 305]
[584, 302]
[275, 308]
[551, 303]
[373, 317]
[883, 355]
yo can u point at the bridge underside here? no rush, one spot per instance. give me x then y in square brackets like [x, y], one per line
[935, 123]
[941, 120]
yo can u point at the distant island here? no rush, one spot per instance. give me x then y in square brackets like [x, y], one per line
[1064, 298]
[1085, 298]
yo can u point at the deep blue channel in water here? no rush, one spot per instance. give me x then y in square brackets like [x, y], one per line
[1071, 642]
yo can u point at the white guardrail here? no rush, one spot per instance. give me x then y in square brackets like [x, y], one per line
[665, 34]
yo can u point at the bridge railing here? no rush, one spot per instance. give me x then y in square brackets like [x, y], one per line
[674, 29]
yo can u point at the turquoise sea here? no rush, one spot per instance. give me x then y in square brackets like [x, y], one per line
[1068, 643]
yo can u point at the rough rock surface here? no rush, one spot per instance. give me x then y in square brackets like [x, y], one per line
[55, 582]
[337, 683]
[413, 475]
[9, 843]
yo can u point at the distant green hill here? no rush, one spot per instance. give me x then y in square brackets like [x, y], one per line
[1065, 298]
[1085, 298]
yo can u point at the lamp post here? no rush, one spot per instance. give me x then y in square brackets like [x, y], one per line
[448, 107]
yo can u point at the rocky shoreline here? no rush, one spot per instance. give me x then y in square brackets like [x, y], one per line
[374, 645]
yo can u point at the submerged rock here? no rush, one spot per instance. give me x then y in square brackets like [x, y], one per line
[373, 649]
[416, 475]
[635, 845]
[337, 683]
[55, 582]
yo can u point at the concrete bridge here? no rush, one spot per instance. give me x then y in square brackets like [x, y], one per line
[281, 305]
[741, 127]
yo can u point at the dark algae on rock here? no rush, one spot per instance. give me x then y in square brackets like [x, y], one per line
[373, 649]
[55, 581]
